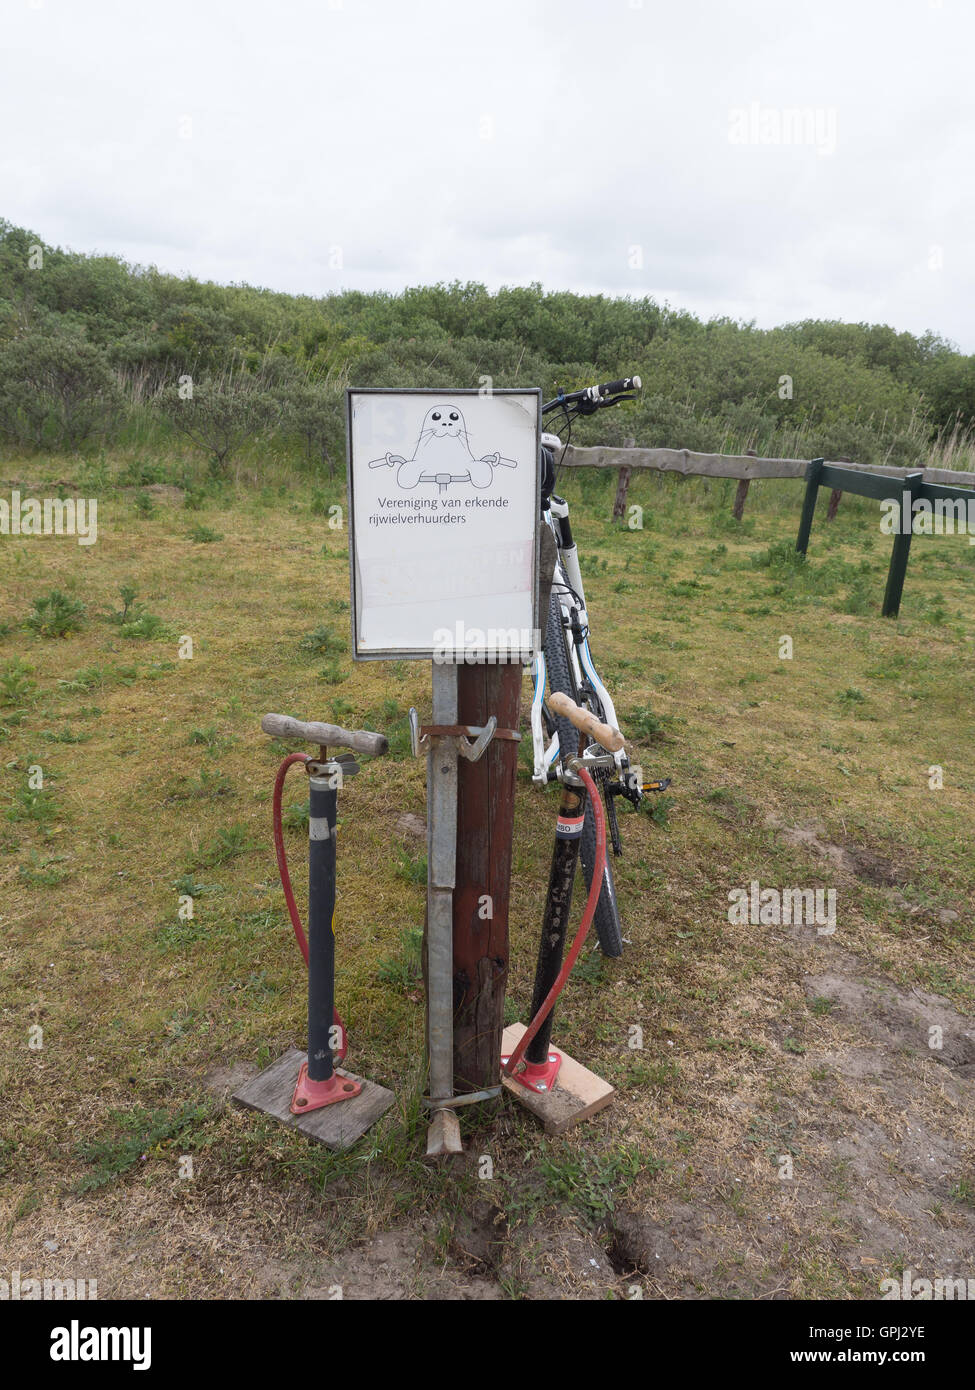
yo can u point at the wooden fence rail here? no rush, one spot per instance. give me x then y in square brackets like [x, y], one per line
[740, 466]
[868, 480]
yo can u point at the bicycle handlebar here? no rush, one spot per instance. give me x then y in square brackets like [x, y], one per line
[328, 735]
[609, 738]
[590, 398]
[613, 388]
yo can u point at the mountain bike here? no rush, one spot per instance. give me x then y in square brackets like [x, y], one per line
[566, 664]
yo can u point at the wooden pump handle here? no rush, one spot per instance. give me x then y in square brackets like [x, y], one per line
[328, 735]
[610, 739]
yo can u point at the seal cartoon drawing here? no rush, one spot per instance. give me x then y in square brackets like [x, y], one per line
[443, 454]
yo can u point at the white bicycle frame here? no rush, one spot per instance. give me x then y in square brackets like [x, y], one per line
[579, 657]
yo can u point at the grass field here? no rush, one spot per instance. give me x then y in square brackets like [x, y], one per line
[767, 1050]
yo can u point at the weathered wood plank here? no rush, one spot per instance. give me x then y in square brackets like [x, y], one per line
[577, 1093]
[685, 461]
[335, 1126]
[739, 466]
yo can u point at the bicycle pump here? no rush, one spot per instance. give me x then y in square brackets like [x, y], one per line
[551, 1083]
[319, 1083]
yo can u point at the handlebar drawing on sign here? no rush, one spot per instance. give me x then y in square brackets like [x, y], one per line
[443, 455]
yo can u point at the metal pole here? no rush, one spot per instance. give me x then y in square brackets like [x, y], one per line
[323, 798]
[443, 1135]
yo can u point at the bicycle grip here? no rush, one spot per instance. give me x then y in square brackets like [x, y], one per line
[610, 739]
[626, 383]
[359, 740]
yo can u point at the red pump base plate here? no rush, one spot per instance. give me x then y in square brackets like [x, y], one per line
[537, 1076]
[312, 1095]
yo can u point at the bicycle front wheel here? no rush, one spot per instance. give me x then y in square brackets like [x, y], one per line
[607, 919]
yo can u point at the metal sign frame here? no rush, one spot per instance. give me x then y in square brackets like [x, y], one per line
[429, 653]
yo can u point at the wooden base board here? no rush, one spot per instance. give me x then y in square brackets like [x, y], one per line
[336, 1126]
[577, 1093]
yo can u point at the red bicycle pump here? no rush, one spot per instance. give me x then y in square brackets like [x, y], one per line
[319, 1082]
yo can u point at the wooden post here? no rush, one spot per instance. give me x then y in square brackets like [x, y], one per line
[834, 497]
[619, 505]
[742, 490]
[902, 547]
[485, 820]
[813, 469]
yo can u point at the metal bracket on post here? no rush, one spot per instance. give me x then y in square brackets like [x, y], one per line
[459, 734]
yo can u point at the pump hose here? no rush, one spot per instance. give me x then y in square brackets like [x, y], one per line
[588, 914]
[285, 877]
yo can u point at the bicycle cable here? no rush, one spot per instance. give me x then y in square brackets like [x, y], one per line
[568, 436]
[566, 587]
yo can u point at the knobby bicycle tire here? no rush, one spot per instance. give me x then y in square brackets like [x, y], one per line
[607, 918]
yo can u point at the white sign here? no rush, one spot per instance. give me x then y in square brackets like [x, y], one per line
[443, 535]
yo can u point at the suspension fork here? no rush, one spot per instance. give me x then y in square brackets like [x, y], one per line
[558, 905]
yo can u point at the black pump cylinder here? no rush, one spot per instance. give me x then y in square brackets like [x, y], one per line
[321, 939]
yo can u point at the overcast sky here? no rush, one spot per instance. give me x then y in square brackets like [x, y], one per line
[593, 145]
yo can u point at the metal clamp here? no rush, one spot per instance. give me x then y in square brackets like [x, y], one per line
[468, 1098]
[589, 761]
[458, 734]
[336, 769]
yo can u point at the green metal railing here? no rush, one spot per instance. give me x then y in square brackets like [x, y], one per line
[904, 490]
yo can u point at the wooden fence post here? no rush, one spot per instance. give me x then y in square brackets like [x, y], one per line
[813, 470]
[485, 821]
[619, 505]
[901, 551]
[834, 497]
[742, 490]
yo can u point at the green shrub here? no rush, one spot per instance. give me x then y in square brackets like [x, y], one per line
[16, 687]
[224, 411]
[56, 614]
[147, 627]
[317, 642]
[57, 391]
